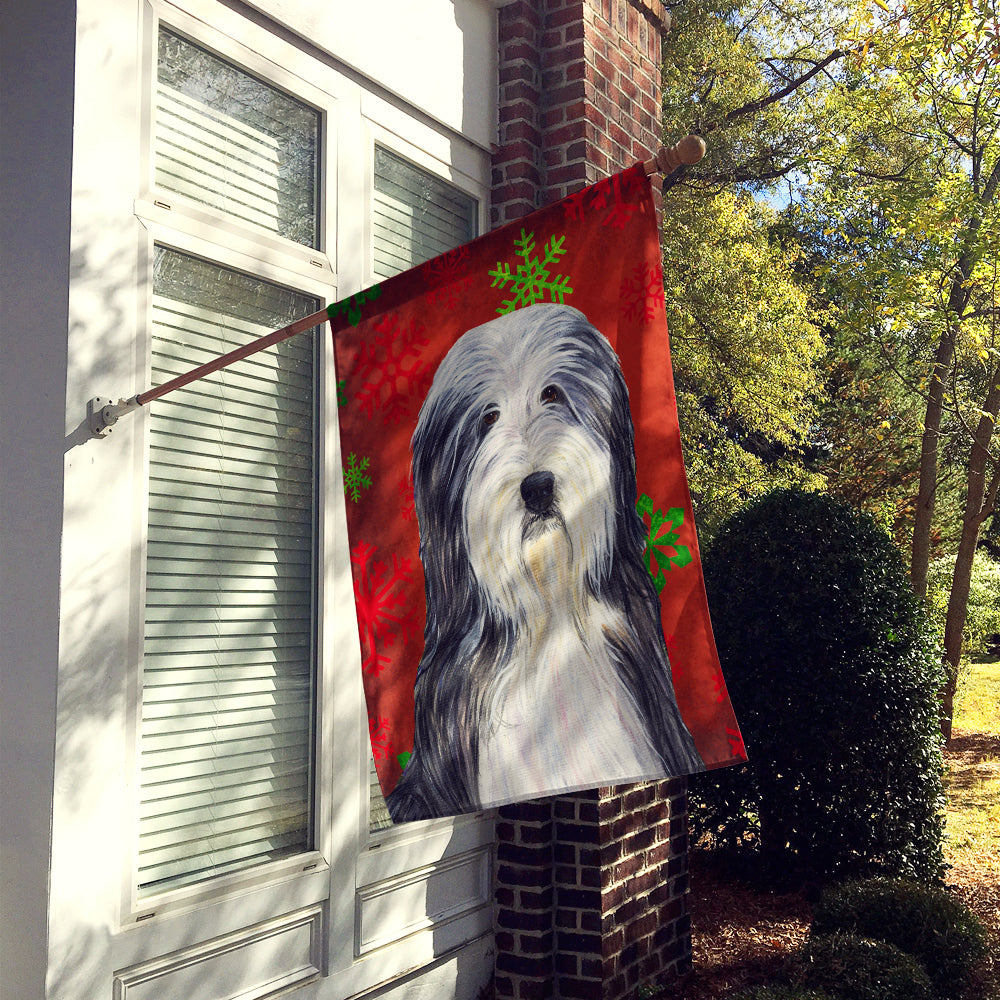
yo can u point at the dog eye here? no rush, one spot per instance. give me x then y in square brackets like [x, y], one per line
[552, 394]
[490, 417]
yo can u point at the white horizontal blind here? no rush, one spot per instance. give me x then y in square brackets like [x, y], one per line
[228, 658]
[416, 216]
[228, 140]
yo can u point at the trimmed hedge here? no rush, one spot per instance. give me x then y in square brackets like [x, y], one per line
[857, 968]
[833, 673]
[925, 922]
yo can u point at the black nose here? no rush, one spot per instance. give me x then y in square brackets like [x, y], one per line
[536, 491]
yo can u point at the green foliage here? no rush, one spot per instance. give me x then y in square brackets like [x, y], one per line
[833, 674]
[983, 613]
[747, 355]
[926, 922]
[857, 968]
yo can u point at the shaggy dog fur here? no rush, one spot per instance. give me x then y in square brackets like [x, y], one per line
[544, 666]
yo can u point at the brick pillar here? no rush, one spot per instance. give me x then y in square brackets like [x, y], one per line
[591, 889]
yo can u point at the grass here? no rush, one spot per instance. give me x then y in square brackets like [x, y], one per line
[973, 781]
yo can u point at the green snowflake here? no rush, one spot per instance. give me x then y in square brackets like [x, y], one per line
[352, 306]
[662, 549]
[342, 392]
[530, 281]
[355, 479]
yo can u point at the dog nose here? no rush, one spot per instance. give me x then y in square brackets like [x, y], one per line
[536, 491]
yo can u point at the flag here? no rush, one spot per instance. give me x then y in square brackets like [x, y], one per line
[531, 609]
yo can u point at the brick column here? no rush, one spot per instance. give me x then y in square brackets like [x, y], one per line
[591, 889]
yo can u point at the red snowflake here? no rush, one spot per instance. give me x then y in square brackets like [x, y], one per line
[378, 733]
[407, 509]
[449, 266]
[609, 193]
[736, 744]
[450, 295]
[395, 377]
[574, 205]
[380, 598]
[719, 685]
[642, 294]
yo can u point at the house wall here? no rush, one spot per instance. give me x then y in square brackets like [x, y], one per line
[407, 911]
[36, 116]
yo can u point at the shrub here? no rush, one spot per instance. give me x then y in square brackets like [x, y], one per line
[926, 922]
[833, 673]
[856, 968]
[782, 993]
[982, 620]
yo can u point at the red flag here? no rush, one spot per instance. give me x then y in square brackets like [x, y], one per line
[523, 547]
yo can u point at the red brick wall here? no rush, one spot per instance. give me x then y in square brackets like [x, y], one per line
[591, 889]
[579, 96]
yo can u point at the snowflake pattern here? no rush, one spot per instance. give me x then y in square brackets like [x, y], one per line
[641, 295]
[611, 194]
[736, 744]
[407, 507]
[355, 479]
[395, 377]
[379, 597]
[662, 548]
[531, 279]
[378, 733]
[353, 306]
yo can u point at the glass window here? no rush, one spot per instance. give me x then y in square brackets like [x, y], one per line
[228, 140]
[228, 680]
[416, 216]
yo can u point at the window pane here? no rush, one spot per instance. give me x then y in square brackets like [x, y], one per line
[228, 663]
[416, 216]
[226, 139]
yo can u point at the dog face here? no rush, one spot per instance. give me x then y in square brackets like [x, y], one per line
[523, 455]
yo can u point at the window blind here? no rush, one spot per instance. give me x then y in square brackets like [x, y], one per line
[228, 655]
[228, 140]
[416, 216]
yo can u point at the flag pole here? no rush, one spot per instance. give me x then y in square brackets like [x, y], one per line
[103, 413]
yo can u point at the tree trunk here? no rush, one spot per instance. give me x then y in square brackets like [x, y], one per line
[979, 500]
[920, 554]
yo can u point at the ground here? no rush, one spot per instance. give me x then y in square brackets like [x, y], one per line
[741, 935]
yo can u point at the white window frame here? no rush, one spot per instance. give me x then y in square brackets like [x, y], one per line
[350, 871]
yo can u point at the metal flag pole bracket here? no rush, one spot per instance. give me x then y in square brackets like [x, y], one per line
[103, 413]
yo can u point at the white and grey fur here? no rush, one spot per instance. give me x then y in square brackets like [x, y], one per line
[544, 666]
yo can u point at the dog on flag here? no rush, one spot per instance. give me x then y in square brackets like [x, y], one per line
[544, 666]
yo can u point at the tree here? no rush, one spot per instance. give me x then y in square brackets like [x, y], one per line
[913, 184]
[747, 357]
[747, 352]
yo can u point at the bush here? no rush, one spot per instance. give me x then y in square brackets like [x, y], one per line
[925, 922]
[856, 968]
[833, 673]
[782, 993]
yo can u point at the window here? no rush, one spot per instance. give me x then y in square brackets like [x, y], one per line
[229, 646]
[228, 679]
[225, 139]
[415, 216]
